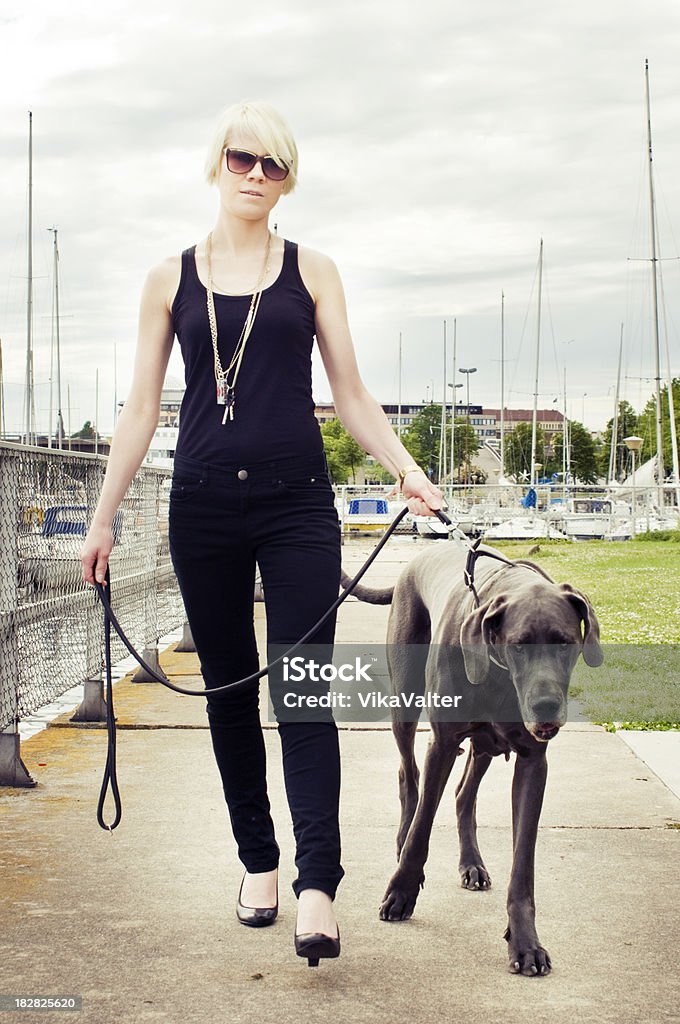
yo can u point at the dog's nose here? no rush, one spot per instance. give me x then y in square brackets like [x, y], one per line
[546, 709]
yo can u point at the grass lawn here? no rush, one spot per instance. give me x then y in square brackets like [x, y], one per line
[635, 589]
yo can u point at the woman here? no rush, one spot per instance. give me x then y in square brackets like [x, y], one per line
[250, 484]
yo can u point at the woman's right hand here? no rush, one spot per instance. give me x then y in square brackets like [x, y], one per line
[95, 552]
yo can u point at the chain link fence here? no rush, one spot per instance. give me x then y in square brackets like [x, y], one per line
[50, 621]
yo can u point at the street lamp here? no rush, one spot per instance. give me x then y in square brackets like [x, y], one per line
[467, 371]
[633, 444]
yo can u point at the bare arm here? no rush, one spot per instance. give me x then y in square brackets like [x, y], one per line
[138, 418]
[357, 409]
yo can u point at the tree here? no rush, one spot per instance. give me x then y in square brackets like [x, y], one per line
[87, 432]
[465, 446]
[343, 454]
[518, 450]
[423, 440]
[583, 461]
[627, 425]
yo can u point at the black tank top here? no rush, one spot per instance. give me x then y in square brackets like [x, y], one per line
[274, 410]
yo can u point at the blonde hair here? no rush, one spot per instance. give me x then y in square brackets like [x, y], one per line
[270, 129]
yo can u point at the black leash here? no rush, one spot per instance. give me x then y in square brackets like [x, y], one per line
[469, 572]
[110, 771]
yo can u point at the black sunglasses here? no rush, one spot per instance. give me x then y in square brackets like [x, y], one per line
[240, 161]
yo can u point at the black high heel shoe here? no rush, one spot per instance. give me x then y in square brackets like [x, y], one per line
[315, 946]
[256, 917]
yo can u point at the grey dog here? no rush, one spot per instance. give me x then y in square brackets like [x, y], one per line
[507, 650]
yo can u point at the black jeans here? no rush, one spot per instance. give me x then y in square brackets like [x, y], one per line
[281, 516]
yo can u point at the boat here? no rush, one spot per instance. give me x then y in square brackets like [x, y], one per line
[431, 527]
[366, 515]
[49, 557]
[524, 527]
[585, 518]
[468, 520]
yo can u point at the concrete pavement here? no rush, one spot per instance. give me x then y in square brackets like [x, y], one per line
[141, 923]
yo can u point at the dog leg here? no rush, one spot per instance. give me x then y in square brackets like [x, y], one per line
[473, 873]
[407, 662]
[403, 888]
[527, 956]
[405, 734]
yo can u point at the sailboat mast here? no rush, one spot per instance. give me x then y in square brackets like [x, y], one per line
[60, 422]
[398, 396]
[49, 418]
[452, 461]
[29, 399]
[57, 346]
[538, 350]
[442, 427]
[502, 385]
[565, 443]
[655, 296]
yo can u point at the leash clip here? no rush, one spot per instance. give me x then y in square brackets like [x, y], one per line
[454, 531]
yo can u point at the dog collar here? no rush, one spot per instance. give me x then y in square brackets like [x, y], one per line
[499, 663]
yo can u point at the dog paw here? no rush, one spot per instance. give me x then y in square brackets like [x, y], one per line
[531, 961]
[398, 904]
[475, 876]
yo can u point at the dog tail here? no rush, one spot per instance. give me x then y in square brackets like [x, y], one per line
[372, 595]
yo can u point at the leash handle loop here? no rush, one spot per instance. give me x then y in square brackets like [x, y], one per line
[110, 770]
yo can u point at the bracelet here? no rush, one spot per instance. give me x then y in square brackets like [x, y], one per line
[407, 469]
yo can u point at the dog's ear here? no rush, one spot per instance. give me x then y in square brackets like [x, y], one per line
[476, 634]
[592, 651]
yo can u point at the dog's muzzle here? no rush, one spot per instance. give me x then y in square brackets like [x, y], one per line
[543, 731]
[547, 713]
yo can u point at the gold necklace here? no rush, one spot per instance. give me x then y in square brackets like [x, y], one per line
[225, 380]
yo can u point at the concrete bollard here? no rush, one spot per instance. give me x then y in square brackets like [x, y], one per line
[186, 644]
[92, 708]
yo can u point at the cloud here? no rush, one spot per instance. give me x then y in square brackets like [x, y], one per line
[438, 145]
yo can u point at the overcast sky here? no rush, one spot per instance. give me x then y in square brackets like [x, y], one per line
[439, 142]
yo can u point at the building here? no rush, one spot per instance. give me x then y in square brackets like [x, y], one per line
[325, 412]
[551, 421]
[486, 422]
[164, 441]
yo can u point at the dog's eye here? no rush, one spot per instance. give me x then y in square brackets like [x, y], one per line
[518, 648]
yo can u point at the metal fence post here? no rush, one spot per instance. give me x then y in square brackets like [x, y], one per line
[151, 487]
[93, 706]
[13, 771]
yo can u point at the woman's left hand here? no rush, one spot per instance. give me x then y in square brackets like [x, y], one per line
[422, 497]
